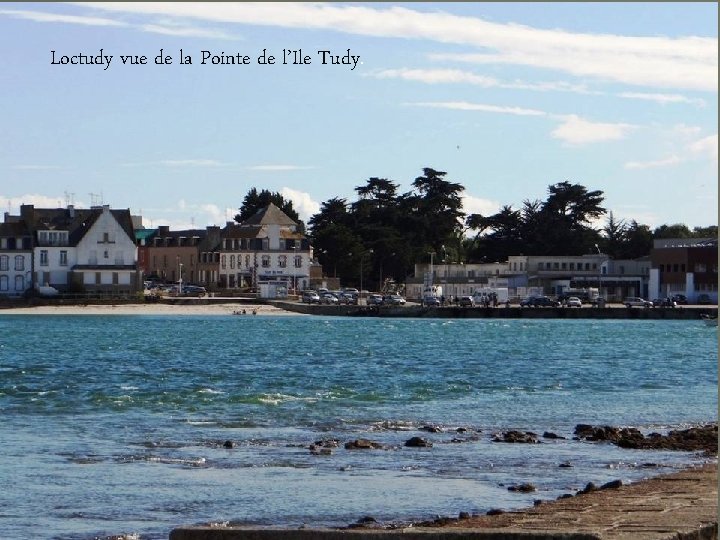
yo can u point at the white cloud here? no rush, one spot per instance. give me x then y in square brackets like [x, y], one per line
[278, 168]
[12, 204]
[672, 160]
[434, 76]
[465, 106]
[575, 131]
[39, 16]
[303, 203]
[663, 98]
[684, 62]
[478, 205]
[707, 146]
[191, 163]
[186, 31]
[35, 167]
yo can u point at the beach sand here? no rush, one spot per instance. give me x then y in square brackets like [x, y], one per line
[151, 309]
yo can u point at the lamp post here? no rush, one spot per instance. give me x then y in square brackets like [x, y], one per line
[599, 276]
[362, 256]
[180, 265]
[294, 248]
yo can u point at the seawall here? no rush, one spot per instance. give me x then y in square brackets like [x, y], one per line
[454, 312]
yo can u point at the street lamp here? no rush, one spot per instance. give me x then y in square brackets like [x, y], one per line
[180, 265]
[362, 256]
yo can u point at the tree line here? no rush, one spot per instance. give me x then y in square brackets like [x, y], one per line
[383, 232]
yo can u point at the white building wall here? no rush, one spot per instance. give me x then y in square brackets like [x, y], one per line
[120, 248]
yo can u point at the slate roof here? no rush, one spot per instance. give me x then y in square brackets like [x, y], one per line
[77, 222]
[270, 215]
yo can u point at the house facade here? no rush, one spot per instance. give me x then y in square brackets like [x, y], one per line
[686, 266]
[77, 250]
[15, 258]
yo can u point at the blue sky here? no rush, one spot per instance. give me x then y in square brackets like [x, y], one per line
[507, 98]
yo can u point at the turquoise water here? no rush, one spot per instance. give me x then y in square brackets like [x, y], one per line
[116, 424]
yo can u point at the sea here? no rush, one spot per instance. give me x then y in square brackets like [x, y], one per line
[135, 425]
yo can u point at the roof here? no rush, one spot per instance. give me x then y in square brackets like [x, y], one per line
[270, 215]
[14, 228]
[77, 221]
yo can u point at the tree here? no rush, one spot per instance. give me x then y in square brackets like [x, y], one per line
[615, 237]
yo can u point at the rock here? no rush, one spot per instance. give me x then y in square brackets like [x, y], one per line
[362, 444]
[366, 519]
[523, 488]
[418, 442]
[612, 485]
[228, 444]
[513, 436]
[565, 465]
[464, 515]
[495, 512]
[432, 429]
[589, 488]
[565, 496]
[537, 502]
[551, 435]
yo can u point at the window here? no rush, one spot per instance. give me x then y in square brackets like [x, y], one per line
[106, 254]
[298, 261]
[19, 262]
[594, 266]
[266, 261]
[19, 283]
[540, 266]
[661, 267]
[564, 266]
[556, 266]
[222, 262]
[587, 266]
[3, 283]
[282, 261]
[247, 261]
[232, 261]
[63, 258]
[675, 268]
[572, 266]
[43, 257]
[699, 267]
[4, 262]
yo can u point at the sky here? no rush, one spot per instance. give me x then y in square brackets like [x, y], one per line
[507, 98]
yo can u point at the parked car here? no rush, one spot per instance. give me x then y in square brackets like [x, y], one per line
[527, 301]
[664, 302]
[636, 301]
[329, 298]
[351, 290]
[194, 290]
[544, 301]
[394, 300]
[573, 301]
[680, 299]
[704, 299]
[348, 298]
[374, 300]
[431, 301]
[310, 297]
[466, 301]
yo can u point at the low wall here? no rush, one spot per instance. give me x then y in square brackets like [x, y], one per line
[414, 311]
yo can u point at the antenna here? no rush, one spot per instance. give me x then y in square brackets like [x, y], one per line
[69, 199]
[94, 199]
[192, 222]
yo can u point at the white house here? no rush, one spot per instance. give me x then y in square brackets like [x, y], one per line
[15, 258]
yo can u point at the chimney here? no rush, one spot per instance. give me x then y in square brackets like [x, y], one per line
[27, 213]
[71, 210]
[164, 230]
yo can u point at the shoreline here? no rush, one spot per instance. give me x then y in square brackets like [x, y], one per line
[150, 309]
[677, 505]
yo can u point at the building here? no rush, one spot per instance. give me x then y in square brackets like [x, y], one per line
[686, 266]
[15, 258]
[75, 250]
[524, 275]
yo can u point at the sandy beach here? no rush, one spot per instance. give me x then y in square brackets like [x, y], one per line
[151, 309]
